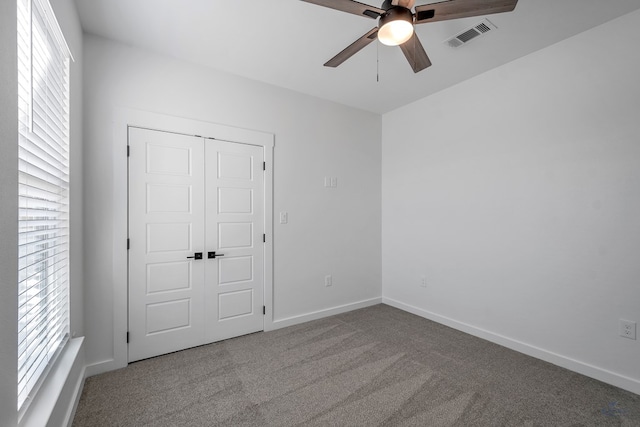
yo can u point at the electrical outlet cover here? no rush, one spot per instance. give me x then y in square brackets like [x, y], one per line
[628, 329]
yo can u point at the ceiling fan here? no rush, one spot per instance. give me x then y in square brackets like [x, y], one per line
[396, 21]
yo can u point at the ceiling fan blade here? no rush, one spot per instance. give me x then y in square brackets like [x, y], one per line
[353, 48]
[454, 9]
[415, 54]
[350, 6]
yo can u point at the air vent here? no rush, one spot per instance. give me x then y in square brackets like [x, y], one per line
[471, 33]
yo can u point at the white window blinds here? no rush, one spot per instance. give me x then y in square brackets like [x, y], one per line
[43, 108]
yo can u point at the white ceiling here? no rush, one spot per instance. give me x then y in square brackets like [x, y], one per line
[285, 42]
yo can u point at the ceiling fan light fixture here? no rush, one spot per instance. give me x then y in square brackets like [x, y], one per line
[395, 26]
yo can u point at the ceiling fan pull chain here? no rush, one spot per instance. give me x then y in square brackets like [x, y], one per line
[378, 62]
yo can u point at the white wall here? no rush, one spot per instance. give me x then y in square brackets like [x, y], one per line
[517, 195]
[330, 231]
[66, 13]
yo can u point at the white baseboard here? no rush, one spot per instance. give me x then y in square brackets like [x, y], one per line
[104, 366]
[315, 315]
[600, 374]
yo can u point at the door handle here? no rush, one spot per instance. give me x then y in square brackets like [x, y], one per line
[197, 255]
[213, 255]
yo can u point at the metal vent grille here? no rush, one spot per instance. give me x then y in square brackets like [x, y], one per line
[483, 28]
[468, 35]
[471, 33]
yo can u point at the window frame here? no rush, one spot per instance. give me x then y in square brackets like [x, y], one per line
[43, 326]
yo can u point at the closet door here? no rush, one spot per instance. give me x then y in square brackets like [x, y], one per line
[166, 228]
[196, 257]
[235, 226]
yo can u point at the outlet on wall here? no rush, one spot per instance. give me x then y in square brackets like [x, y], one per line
[328, 280]
[423, 281]
[628, 329]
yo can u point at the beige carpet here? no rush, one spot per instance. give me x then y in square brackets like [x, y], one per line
[370, 367]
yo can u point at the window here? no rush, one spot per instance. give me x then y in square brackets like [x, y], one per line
[43, 276]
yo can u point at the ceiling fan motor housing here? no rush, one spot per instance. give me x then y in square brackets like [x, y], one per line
[386, 5]
[395, 13]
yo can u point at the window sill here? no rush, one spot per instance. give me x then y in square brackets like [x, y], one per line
[56, 400]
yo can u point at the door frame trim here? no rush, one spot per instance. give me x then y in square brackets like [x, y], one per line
[123, 118]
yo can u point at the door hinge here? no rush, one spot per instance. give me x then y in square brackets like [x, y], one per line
[264, 238]
[128, 150]
[127, 337]
[264, 310]
[264, 166]
[128, 244]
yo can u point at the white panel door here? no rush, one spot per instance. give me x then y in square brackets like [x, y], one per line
[166, 226]
[190, 195]
[235, 227]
